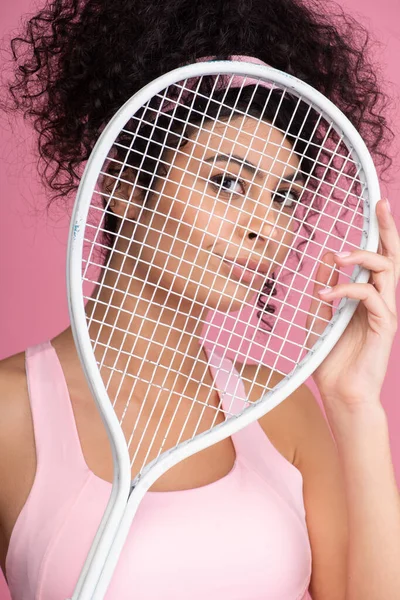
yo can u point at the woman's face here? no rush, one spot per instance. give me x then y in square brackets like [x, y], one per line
[228, 198]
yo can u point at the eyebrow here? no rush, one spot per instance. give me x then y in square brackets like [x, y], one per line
[292, 177]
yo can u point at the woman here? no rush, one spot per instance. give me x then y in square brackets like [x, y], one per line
[310, 512]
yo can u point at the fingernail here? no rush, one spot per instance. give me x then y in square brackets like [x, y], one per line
[343, 254]
[388, 205]
[326, 290]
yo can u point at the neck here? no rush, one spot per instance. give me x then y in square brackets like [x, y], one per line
[144, 328]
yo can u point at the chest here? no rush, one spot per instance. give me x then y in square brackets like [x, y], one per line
[238, 538]
[148, 432]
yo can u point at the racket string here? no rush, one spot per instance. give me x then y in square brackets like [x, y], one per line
[158, 418]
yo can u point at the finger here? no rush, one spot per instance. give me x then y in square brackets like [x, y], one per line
[389, 236]
[379, 315]
[382, 272]
[320, 313]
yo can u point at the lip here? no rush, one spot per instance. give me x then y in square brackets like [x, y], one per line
[251, 265]
[246, 271]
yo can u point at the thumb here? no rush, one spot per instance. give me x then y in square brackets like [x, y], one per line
[320, 311]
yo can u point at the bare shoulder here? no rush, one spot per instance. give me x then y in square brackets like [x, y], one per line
[17, 448]
[14, 400]
[281, 423]
[293, 419]
[12, 375]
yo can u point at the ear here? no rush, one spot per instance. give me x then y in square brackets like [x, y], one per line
[125, 197]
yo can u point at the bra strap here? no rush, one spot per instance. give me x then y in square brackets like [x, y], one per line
[56, 437]
[228, 382]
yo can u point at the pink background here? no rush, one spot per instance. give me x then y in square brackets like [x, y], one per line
[33, 244]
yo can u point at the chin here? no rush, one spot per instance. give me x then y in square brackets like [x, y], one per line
[228, 302]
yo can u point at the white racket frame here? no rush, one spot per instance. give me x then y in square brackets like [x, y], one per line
[125, 496]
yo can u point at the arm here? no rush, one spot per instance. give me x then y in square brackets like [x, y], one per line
[373, 504]
[350, 381]
[17, 446]
[351, 500]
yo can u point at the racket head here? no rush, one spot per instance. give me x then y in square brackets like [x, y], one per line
[369, 238]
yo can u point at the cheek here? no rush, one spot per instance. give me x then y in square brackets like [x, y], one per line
[286, 240]
[180, 230]
[195, 213]
[194, 216]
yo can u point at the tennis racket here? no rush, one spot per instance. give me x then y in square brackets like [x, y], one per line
[206, 211]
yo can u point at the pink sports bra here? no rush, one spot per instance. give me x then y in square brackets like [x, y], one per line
[243, 537]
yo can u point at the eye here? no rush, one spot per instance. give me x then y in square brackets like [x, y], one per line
[287, 198]
[228, 183]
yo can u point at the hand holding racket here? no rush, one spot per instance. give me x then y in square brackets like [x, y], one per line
[354, 371]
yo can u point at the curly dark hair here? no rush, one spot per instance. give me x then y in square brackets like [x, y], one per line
[78, 61]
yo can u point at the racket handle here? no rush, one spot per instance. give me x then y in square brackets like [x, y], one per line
[102, 567]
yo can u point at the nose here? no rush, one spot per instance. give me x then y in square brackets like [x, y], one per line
[261, 226]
